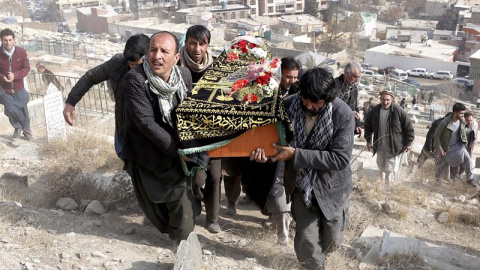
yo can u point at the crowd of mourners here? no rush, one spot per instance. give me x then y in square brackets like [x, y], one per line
[312, 180]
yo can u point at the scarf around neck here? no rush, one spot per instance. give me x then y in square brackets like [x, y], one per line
[9, 54]
[318, 139]
[186, 61]
[165, 91]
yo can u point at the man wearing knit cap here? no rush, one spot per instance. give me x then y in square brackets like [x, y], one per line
[392, 134]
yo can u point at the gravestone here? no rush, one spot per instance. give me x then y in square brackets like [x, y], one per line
[53, 105]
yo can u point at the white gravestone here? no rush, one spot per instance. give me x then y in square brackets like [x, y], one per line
[53, 105]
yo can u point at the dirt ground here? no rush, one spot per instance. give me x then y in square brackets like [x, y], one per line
[36, 235]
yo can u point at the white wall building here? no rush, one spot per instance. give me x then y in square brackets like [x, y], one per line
[433, 57]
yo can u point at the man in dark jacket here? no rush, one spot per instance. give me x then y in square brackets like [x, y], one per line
[152, 92]
[346, 86]
[113, 71]
[48, 77]
[290, 73]
[14, 66]
[427, 150]
[318, 178]
[392, 133]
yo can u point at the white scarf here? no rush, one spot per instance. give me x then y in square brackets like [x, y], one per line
[165, 91]
[9, 53]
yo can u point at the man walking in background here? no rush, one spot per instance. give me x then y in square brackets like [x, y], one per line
[472, 127]
[346, 85]
[389, 133]
[14, 67]
[48, 77]
[449, 142]
[427, 150]
[113, 71]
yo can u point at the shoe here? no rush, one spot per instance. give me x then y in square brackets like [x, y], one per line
[231, 210]
[28, 135]
[473, 183]
[213, 227]
[16, 133]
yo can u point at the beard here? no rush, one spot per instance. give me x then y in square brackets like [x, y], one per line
[310, 112]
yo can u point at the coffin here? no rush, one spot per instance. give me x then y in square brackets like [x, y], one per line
[243, 145]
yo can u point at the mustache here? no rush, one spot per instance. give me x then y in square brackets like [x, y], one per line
[310, 112]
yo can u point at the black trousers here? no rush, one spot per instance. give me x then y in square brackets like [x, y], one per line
[176, 218]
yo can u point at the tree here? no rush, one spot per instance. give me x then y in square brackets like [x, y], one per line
[448, 21]
[311, 7]
[413, 7]
[13, 7]
[395, 13]
[54, 12]
[353, 24]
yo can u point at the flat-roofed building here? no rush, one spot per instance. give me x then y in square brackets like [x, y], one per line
[431, 55]
[304, 23]
[94, 19]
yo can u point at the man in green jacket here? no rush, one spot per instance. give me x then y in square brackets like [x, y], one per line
[449, 143]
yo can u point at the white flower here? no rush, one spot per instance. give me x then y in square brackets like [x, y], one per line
[273, 84]
[259, 52]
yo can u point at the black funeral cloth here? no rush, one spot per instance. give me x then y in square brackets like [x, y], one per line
[206, 117]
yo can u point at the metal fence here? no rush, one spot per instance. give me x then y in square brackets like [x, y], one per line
[97, 100]
[71, 48]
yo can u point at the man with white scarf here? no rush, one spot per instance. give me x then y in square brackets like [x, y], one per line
[14, 66]
[152, 92]
[318, 178]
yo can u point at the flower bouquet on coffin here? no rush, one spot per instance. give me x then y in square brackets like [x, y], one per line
[253, 83]
[247, 48]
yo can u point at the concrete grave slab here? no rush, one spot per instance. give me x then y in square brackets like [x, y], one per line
[383, 242]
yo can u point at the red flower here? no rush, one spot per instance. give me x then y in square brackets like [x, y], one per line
[232, 56]
[253, 98]
[274, 63]
[239, 85]
[263, 79]
[246, 98]
[243, 45]
[252, 45]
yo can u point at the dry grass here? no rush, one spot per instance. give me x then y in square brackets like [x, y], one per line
[13, 191]
[36, 241]
[400, 261]
[261, 243]
[462, 216]
[403, 194]
[84, 153]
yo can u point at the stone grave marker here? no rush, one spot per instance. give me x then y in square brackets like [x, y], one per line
[53, 106]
